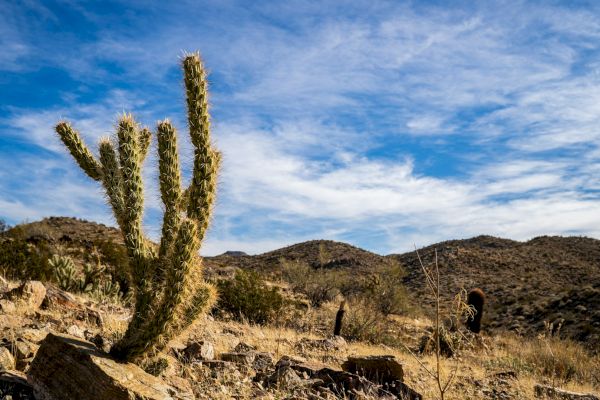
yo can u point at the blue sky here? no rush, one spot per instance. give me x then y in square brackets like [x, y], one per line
[381, 124]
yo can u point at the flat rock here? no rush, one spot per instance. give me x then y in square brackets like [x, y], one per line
[549, 392]
[66, 367]
[379, 369]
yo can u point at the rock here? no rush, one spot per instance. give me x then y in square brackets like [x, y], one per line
[334, 344]
[239, 358]
[13, 385]
[301, 365]
[183, 386]
[379, 369]
[284, 378]
[218, 365]
[32, 293]
[244, 348]
[76, 331]
[7, 361]
[550, 392]
[56, 297]
[66, 367]
[198, 351]
[262, 361]
[23, 352]
[7, 306]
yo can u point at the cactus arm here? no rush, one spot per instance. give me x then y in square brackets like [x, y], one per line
[196, 86]
[112, 179]
[170, 184]
[145, 138]
[133, 190]
[201, 193]
[72, 140]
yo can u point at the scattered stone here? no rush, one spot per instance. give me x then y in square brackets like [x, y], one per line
[76, 331]
[284, 378]
[301, 365]
[13, 385]
[262, 362]
[239, 358]
[32, 293]
[379, 369]
[56, 297]
[219, 365]
[243, 347]
[336, 343]
[184, 389]
[549, 392]
[66, 367]
[7, 306]
[198, 351]
[7, 361]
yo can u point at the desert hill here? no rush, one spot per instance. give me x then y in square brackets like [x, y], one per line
[553, 279]
[316, 253]
[546, 279]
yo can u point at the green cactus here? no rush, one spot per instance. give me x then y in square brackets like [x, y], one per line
[64, 272]
[169, 290]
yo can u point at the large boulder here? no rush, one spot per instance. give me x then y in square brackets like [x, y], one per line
[67, 367]
[31, 294]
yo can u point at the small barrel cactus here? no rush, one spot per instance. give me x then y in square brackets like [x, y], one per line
[169, 290]
[475, 299]
[339, 318]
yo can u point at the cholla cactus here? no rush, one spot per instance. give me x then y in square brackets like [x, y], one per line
[170, 291]
[64, 272]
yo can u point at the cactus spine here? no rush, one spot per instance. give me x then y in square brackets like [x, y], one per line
[170, 292]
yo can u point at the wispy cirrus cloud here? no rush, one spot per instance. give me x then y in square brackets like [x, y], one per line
[380, 124]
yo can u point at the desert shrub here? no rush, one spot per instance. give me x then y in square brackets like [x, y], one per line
[21, 260]
[3, 226]
[317, 284]
[383, 288]
[364, 323]
[246, 296]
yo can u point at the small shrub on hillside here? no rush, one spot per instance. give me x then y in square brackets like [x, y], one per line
[21, 260]
[3, 226]
[383, 288]
[364, 323]
[246, 296]
[319, 285]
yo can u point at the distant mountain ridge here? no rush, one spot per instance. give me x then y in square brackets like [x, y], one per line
[548, 278]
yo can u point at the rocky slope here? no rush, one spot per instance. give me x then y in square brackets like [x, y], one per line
[547, 279]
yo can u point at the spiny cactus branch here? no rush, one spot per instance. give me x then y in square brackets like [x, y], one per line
[72, 140]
